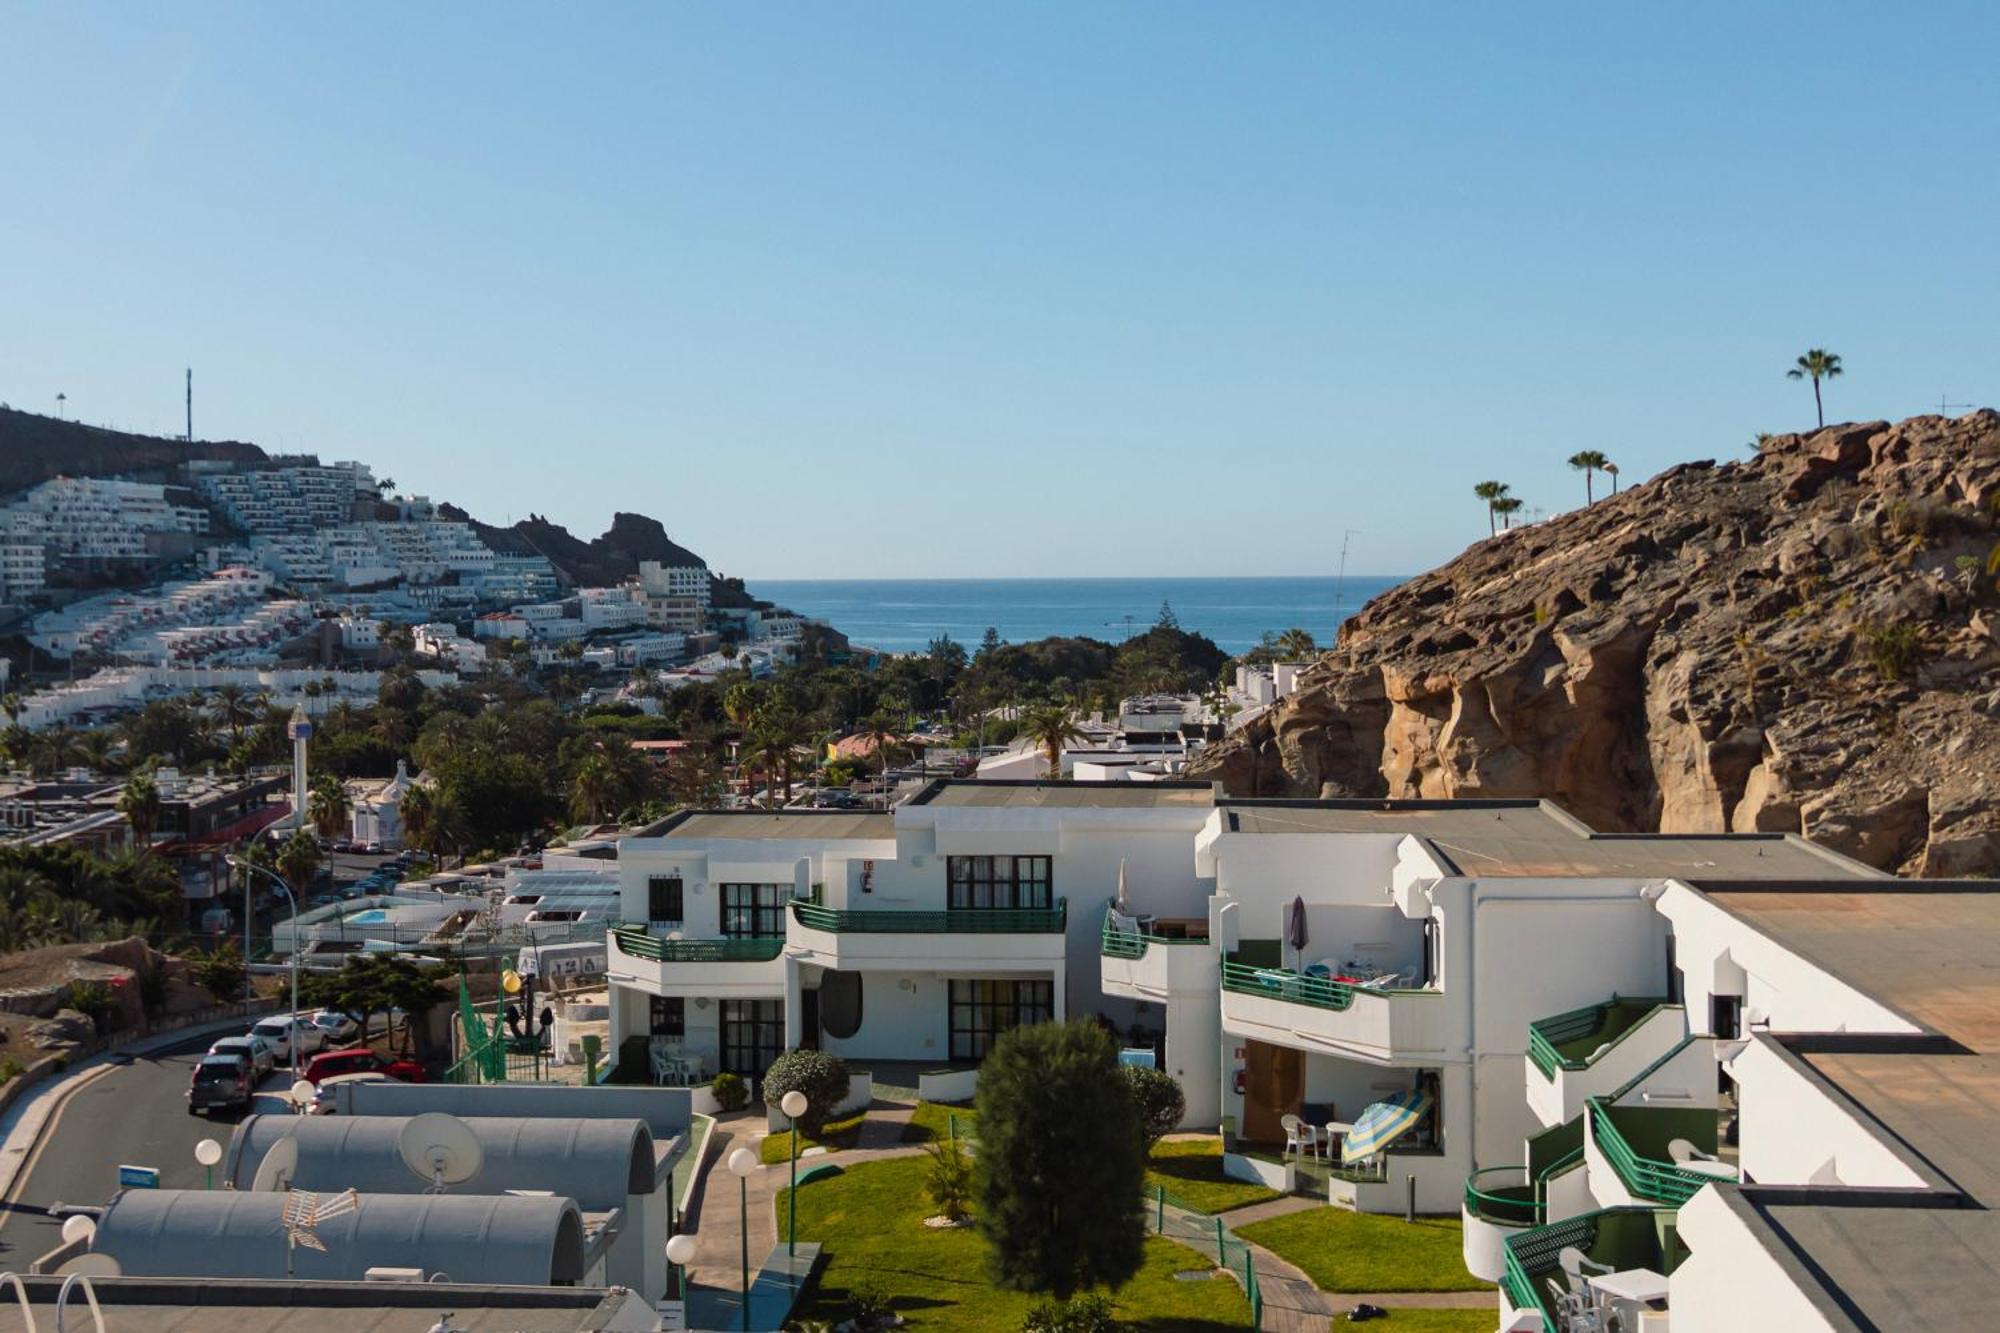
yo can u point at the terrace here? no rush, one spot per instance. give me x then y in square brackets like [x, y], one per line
[1588, 1052]
[1656, 1154]
[1002, 938]
[1367, 1020]
[1148, 958]
[726, 968]
[1615, 1240]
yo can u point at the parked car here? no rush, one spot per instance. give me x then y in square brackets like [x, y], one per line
[361, 1060]
[343, 844]
[277, 1031]
[263, 1056]
[373, 849]
[323, 1099]
[220, 1081]
[336, 1028]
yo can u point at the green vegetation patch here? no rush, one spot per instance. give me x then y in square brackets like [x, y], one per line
[931, 1122]
[870, 1219]
[833, 1135]
[1343, 1251]
[1191, 1171]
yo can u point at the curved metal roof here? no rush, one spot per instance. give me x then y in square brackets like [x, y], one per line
[598, 1163]
[495, 1240]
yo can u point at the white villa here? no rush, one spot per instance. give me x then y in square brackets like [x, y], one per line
[1595, 1033]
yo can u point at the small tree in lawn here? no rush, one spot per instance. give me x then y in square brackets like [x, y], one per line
[1160, 1101]
[1061, 1163]
[820, 1076]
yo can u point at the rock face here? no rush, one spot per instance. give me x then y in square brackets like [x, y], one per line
[1807, 642]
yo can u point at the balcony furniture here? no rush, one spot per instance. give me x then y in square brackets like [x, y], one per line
[1336, 1132]
[1300, 1137]
[1622, 1300]
[1690, 1158]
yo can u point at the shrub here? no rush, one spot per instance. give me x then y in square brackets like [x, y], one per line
[870, 1304]
[730, 1092]
[821, 1077]
[11, 1069]
[1060, 1169]
[1893, 650]
[222, 973]
[94, 1000]
[949, 1184]
[1160, 1100]
[1088, 1313]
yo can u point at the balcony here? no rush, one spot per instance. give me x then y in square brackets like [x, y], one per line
[1632, 1153]
[1617, 1238]
[1499, 1201]
[723, 968]
[1314, 1014]
[1588, 1052]
[1149, 966]
[999, 938]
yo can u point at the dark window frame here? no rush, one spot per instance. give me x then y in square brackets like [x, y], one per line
[666, 1016]
[668, 892]
[751, 1035]
[999, 883]
[753, 911]
[980, 1009]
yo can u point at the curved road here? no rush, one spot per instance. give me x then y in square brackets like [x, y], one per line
[127, 1113]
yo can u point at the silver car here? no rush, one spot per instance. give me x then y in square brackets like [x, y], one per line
[263, 1057]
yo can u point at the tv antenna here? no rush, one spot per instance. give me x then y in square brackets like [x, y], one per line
[1946, 409]
[190, 405]
[440, 1148]
[1340, 583]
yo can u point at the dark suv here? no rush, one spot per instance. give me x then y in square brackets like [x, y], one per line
[221, 1080]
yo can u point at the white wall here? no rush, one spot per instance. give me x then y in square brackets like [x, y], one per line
[1793, 1132]
[897, 1024]
[1730, 1281]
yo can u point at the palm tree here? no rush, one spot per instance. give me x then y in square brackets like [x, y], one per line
[1611, 471]
[1588, 461]
[234, 706]
[1051, 727]
[1507, 506]
[1492, 492]
[139, 802]
[417, 811]
[298, 861]
[883, 738]
[1296, 645]
[11, 704]
[328, 805]
[1817, 364]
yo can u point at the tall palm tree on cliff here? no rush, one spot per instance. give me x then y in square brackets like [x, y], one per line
[1816, 365]
[1507, 506]
[1588, 462]
[1492, 492]
[1611, 471]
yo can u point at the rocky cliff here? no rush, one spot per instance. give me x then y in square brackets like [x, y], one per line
[1806, 641]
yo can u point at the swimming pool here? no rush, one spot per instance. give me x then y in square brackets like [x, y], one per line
[374, 916]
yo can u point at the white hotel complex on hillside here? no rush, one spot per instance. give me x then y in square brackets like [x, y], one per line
[1741, 1064]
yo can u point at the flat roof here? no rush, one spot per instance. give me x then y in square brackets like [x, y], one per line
[1523, 838]
[1030, 795]
[1929, 949]
[777, 824]
[196, 1305]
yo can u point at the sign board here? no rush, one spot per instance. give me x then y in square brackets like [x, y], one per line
[138, 1177]
[673, 1315]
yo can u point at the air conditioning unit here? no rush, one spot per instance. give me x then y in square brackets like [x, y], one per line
[415, 1275]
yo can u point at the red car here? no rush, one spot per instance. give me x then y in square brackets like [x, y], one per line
[360, 1060]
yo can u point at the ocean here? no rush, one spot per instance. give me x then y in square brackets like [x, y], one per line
[904, 615]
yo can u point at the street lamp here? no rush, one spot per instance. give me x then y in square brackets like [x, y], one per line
[793, 1104]
[744, 1164]
[292, 1031]
[208, 1152]
[680, 1253]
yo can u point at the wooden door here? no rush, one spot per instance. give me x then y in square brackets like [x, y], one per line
[1273, 1085]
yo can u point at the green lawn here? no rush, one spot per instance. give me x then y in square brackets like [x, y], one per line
[931, 1120]
[1436, 1321]
[1191, 1170]
[870, 1219]
[1343, 1251]
[834, 1135]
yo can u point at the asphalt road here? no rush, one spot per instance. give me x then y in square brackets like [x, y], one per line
[133, 1114]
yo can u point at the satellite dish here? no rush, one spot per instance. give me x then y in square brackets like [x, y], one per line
[93, 1265]
[440, 1148]
[302, 1093]
[78, 1227]
[280, 1164]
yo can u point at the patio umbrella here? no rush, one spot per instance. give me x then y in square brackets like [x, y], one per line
[1383, 1123]
[1295, 928]
[1124, 908]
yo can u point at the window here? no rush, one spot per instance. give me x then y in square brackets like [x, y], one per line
[669, 1016]
[663, 899]
[982, 882]
[982, 1010]
[754, 910]
[753, 1035]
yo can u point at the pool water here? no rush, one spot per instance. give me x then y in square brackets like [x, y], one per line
[374, 916]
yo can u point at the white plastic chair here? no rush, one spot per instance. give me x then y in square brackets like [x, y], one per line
[662, 1066]
[1300, 1137]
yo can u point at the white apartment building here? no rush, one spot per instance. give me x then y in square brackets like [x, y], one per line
[22, 566]
[618, 608]
[288, 498]
[86, 519]
[676, 596]
[442, 641]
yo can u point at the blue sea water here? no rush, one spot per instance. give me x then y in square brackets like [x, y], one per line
[904, 615]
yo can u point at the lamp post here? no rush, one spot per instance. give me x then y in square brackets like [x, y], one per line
[793, 1104]
[208, 1152]
[680, 1253]
[292, 1030]
[743, 1163]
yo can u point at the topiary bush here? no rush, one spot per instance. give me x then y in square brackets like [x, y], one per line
[1088, 1313]
[1162, 1105]
[821, 1077]
[730, 1092]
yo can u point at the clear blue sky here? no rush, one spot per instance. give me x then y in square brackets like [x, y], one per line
[940, 289]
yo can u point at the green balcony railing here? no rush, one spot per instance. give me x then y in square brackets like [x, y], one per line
[1537, 1251]
[1132, 944]
[1277, 984]
[1646, 1177]
[1569, 1040]
[1490, 1197]
[642, 943]
[1620, 1237]
[958, 921]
